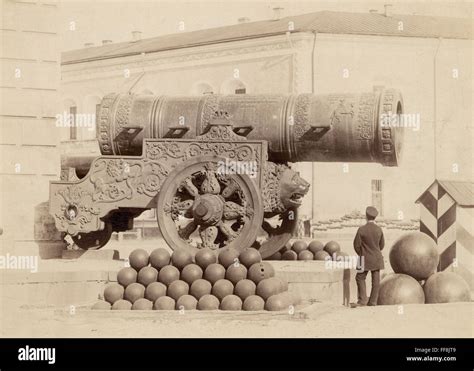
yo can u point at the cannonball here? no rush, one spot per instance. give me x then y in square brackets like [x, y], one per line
[299, 246]
[181, 258]
[154, 291]
[305, 255]
[134, 291]
[186, 302]
[332, 247]
[278, 302]
[315, 246]
[122, 305]
[446, 287]
[245, 288]
[102, 305]
[269, 287]
[191, 273]
[253, 302]
[231, 302]
[138, 259]
[168, 274]
[208, 302]
[205, 257]
[199, 288]
[178, 288]
[250, 256]
[260, 271]
[142, 304]
[228, 256]
[398, 289]
[126, 276]
[236, 273]
[160, 258]
[322, 255]
[164, 303]
[289, 255]
[214, 272]
[414, 254]
[276, 256]
[113, 292]
[222, 288]
[147, 275]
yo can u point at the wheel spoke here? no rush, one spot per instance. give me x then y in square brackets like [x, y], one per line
[189, 186]
[210, 183]
[208, 236]
[228, 232]
[186, 231]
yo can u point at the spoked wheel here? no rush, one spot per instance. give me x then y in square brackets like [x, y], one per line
[277, 231]
[199, 207]
[93, 240]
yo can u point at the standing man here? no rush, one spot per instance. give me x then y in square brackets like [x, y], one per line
[368, 243]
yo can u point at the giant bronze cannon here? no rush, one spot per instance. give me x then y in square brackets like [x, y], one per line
[216, 168]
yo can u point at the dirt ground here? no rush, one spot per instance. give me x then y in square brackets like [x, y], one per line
[315, 320]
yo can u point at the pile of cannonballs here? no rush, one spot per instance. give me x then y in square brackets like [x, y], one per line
[208, 281]
[315, 250]
[414, 259]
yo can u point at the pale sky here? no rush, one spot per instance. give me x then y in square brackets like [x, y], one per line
[97, 20]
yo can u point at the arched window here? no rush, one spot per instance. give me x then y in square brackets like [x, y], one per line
[234, 86]
[88, 119]
[201, 88]
[66, 120]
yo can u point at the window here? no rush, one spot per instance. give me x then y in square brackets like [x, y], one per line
[240, 91]
[72, 123]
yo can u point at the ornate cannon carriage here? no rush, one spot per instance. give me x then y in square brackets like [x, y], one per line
[216, 168]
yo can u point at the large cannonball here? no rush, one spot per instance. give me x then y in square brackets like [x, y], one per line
[276, 256]
[414, 254]
[181, 258]
[236, 273]
[147, 275]
[321, 255]
[228, 256]
[222, 288]
[168, 274]
[160, 258]
[245, 288]
[315, 246]
[305, 255]
[199, 288]
[126, 276]
[214, 272]
[154, 291]
[102, 305]
[269, 287]
[208, 302]
[186, 302]
[142, 304]
[446, 287]
[191, 273]
[250, 256]
[289, 255]
[260, 271]
[278, 302]
[138, 259]
[122, 305]
[178, 288]
[398, 289]
[113, 292]
[253, 302]
[134, 291]
[332, 247]
[205, 257]
[164, 303]
[299, 246]
[231, 302]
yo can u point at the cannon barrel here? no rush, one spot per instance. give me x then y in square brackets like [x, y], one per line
[298, 128]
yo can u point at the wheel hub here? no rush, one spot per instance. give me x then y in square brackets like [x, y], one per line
[208, 209]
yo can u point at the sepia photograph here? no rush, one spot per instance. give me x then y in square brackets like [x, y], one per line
[203, 169]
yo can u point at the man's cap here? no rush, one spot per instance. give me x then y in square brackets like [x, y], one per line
[371, 211]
